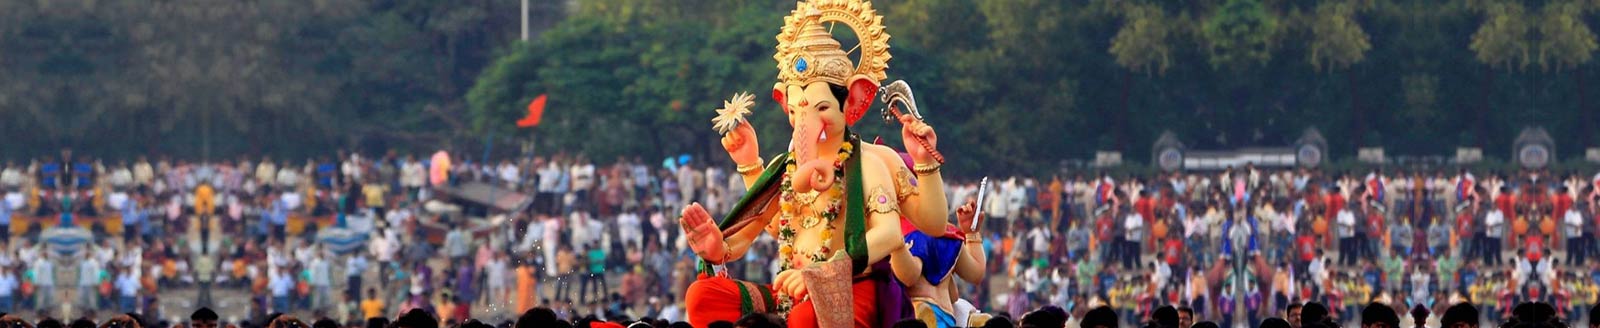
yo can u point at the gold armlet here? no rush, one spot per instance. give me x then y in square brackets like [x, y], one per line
[750, 168]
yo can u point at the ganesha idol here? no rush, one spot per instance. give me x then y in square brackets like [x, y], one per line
[834, 205]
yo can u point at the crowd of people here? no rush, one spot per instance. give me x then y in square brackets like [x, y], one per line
[602, 240]
[1238, 244]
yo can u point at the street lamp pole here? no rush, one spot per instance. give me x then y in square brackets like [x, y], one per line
[524, 20]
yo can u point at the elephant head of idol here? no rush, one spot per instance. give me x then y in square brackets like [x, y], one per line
[822, 94]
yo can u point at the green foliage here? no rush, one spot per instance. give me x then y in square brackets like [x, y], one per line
[1142, 44]
[1502, 41]
[1565, 42]
[1240, 34]
[1011, 85]
[1337, 40]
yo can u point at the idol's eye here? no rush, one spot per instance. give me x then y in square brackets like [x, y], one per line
[822, 108]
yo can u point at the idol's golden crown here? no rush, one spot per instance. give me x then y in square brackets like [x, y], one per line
[808, 53]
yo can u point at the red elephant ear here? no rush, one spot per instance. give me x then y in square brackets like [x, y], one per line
[862, 91]
[777, 95]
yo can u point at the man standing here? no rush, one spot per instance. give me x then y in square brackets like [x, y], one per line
[44, 282]
[1495, 228]
[1346, 232]
[88, 281]
[280, 284]
[1133, 230]
[321, 281]
[354, 266]
[455, 244]
[128, 289]
[1577, 245]
[8, 290]
[597, 274]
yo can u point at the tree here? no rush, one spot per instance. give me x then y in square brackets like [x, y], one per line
[1142, 45]
[1337, 41]
[1240, 34]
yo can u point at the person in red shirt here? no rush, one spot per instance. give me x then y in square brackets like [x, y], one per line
[1335, 202]
[1307, 245]
[1173, 248]
[1561, 202]
[1534, 247]
[1506, 203]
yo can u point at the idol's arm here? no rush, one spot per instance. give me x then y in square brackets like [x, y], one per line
[970, 266]
[884, 236]
[907, 267]
[922, 198]
[739, 241]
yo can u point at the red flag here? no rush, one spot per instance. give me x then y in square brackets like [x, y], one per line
[535, 112]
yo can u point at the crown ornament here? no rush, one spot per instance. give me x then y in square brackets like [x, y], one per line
[808, 53]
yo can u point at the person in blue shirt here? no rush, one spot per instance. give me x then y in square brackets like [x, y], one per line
[49, 172]
[83, 174]
[133, 220]
[5, 221]
[327, 171]
[8, 289]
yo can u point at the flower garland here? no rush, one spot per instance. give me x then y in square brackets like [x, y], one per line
[790, 211]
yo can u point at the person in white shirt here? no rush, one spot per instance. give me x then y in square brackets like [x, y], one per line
[1419, 284]
[509, 174]
[1161, 276]
[266, 171]
[688, 179]
[1346, 231]
[1523, 271]
[629, 228]
[127, 285]
[279, 284]
[44, 280]
[549, 188]
[143, 173]
[583, 182]
[1577, 244]
[551, 241]
[355, 266]
[88, 283]
[1494, 225]
[1133, 234]
[1040, 238]
[496, 273]
[1547, 270]
[412, 175]
[1318, 269]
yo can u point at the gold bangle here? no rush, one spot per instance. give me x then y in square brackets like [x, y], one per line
[925, 170]
[727, 251]
[747, 169]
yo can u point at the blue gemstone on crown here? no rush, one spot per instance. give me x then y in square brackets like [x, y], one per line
[800, 65]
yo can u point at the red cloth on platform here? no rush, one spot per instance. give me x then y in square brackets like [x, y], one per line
[712, 299]
[863, 293]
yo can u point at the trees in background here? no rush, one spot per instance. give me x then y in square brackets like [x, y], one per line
[1013, 85]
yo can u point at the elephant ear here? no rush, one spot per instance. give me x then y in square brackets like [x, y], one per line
[777, 95]
[862, 91]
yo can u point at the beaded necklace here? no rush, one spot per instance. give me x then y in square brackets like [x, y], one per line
[793, 203]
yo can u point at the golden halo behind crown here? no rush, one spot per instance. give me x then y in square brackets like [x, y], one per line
[808, 53]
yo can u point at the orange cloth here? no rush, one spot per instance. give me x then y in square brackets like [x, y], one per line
[712, 299]
[204, 200]
[525, 288]
[372, 308]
